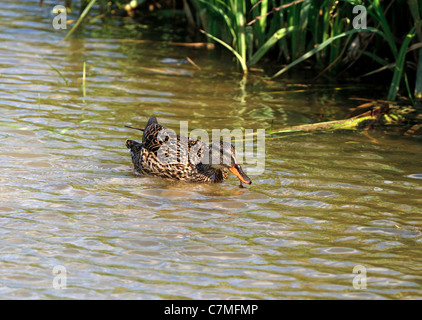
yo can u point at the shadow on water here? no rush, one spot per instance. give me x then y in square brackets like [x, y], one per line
[70, 197]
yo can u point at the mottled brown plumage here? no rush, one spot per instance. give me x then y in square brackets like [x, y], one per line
[176, 157]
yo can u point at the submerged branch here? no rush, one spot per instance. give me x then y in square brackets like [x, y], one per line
[380, 115]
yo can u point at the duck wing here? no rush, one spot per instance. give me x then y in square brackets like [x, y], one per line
[179, 150]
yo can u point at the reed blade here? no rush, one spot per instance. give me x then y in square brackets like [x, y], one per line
[398, 71]
[235, 53]
[81, 18]
[320, 47]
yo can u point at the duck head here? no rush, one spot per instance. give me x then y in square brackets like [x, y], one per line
[135, 151]
[223, 156]
[133, 145]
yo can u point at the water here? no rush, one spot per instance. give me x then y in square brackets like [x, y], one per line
[325, 203]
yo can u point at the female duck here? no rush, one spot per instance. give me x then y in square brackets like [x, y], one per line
[181, 158]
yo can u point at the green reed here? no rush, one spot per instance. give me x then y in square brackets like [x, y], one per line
[80, 19]
[84, 80]
[294, 31]
[415, 7]
[321, 31]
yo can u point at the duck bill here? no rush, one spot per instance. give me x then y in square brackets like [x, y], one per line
[238, 172]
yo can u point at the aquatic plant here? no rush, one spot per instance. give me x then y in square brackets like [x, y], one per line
[319, 31]
[295, 31]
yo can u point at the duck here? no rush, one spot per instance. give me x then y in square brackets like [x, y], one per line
[179, 158]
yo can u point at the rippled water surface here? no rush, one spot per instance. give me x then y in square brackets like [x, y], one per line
[69, 196]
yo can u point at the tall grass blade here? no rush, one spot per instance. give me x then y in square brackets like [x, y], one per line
[415, 7]
[418, 85]
[376, 58]
[321, 47]
[220, 12]
[409, 92]
[240, 12]
[378, 15]
[261, 27]
[55, 69]
[303, 23]
[236, 54]
[83, 80]
[398, 72]
[269, 44]
[13, 126]
[84, 13]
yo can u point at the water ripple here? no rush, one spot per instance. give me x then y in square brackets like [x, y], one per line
[70, 197]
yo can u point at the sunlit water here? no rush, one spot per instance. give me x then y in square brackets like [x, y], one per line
[325, 204]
